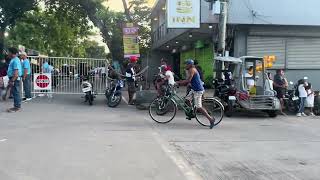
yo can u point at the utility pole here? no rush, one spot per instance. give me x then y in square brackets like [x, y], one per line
[223, 26]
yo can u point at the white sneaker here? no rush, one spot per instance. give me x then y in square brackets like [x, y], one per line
[299, 114]
[311, 114]
[303, 114]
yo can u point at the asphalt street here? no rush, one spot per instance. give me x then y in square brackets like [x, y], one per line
[66, 139]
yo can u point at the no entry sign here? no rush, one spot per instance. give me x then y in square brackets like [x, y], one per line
[42, 81]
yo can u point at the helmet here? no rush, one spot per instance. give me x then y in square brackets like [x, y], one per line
[189, 62]
[133, 59]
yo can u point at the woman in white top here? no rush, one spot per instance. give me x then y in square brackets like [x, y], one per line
[310, 99]
[302, 95]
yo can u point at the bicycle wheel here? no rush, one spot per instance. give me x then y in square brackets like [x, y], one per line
[214, 109]
[162, 110]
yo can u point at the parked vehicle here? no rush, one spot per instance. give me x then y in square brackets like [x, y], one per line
[87, 88]
[113, 93]
[232, 85]
[291, 100]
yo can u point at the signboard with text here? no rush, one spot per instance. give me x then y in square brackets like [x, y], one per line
[130, 41]
[42, 81]
[183, 14]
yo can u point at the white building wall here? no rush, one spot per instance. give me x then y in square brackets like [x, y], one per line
[276, 12]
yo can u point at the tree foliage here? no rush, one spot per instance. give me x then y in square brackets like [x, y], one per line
[10, 11]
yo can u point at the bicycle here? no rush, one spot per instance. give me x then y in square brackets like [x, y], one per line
[161, 108]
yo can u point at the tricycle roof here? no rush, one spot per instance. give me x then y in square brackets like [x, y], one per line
[228, 59]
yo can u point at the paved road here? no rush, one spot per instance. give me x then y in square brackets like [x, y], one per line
[65, 139]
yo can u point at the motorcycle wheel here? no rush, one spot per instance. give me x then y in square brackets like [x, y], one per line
[114, 101]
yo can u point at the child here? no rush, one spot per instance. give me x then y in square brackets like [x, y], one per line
[302, 96]
[310, 99]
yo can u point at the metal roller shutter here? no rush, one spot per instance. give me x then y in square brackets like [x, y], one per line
[303, 53]
[262, 46]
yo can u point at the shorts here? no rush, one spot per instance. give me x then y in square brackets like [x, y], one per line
[280, 92]
[197, 96]
[131, 87]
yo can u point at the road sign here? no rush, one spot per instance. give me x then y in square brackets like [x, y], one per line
[42, 81]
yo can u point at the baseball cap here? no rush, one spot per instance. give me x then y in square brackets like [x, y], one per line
[22, 54]
[133, 59]
[189, 62]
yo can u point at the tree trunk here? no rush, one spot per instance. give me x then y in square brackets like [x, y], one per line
[126, 10]
[2, 31]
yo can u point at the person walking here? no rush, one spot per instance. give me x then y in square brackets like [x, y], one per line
[302, 96]
[131, 79]
[197, 89]
[14, 74]
[26, 78]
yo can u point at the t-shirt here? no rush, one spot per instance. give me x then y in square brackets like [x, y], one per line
[15, 64]
[302, 91]
[310, 99]
[171, 77]
[279, 80]
[250, 80]
[130, 74]
[26, 65]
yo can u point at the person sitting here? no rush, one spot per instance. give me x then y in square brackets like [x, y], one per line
[167, 77]
[249, 78]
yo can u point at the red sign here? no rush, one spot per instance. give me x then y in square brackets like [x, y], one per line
[43, 81]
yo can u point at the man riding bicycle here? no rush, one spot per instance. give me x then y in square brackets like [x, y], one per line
[197, 89]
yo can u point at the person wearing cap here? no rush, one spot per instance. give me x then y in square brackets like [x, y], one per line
[14, 74]
[26, 78]
[130, 75]
[197, 89]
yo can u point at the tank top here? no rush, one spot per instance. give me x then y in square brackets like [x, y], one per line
[196, 83]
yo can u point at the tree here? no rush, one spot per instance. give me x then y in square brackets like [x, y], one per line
[10, 11]
[138, 12]
[48, 32]
[111, 23]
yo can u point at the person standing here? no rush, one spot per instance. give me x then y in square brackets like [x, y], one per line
[302, 96]
[197, 89]
[14, 74]
[280, 84]
[310, 99]
[3, 73]
[26, 78]
[131, 79]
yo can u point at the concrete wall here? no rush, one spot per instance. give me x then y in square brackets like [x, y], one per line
[276, 12]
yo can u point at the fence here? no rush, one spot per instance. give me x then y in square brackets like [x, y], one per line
[66, 73]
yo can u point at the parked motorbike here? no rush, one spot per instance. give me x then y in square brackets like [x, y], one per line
[291, 101]
[227, 93]
[113, 93]
[87, 88]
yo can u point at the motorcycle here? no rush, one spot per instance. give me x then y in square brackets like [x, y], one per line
[113, 93]
[291, 100]
[227, 94]
[87, 88]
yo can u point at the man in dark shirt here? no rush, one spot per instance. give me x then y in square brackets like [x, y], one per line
[280, 84]
[130, 75]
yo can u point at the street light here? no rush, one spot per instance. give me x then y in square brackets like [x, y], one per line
[6, 34]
